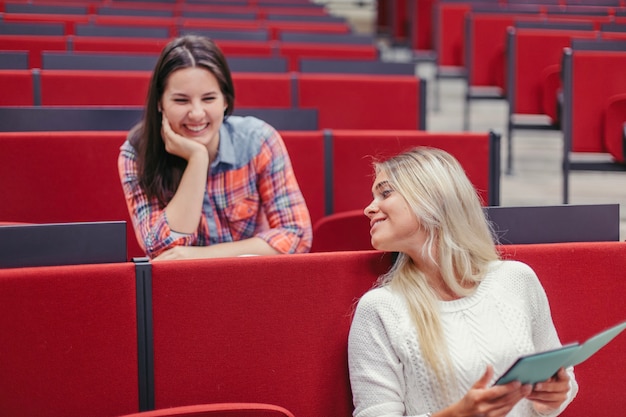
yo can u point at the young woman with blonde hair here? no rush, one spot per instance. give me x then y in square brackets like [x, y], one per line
[450, 316]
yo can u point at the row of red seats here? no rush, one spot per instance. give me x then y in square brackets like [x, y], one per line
[254, 9]
[333, 169]
[105, 340]
[436, 26]
[292, 51]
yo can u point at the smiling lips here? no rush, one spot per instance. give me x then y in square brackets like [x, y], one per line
[374, 222]
[197, 128]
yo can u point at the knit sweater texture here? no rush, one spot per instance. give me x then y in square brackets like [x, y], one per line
[507, 316]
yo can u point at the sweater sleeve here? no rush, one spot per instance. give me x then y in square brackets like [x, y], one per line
[376, 371]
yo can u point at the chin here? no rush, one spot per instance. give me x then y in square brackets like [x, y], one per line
[204, 139]
[377, 245]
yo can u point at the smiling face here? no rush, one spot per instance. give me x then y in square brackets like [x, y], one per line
[393, 225]
[194, 105]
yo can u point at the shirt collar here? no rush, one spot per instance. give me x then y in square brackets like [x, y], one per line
[226, 148]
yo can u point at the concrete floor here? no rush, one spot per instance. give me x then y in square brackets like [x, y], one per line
[537, 177]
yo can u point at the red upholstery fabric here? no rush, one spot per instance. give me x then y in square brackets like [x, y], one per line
[276, 27]
[129, 88]
[262, 90]
[343, 231]
[330, 94]
[353, 170]
[113, 44]
[449, 35]
[72, 176]
[69, 341]
[243, 48]
[304, 8]
[306, 151]
[550, 89]
[271, 330]
[244, 7]
[98, 7]
[614, 35]
[293, 51]
[422, 38]
[34, 45]
[614, 119]
[590, 91]
[400, 21]
[345, 101]
[262, 329]
[94, 88]
[63, 177]
[169, 23]
[218, 24]
[16, 87]
[487, 56]
[535, 51]
[69, 20]
[586, 287]
[218, 410]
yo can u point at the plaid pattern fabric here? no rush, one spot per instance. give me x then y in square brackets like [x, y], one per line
[251, 191]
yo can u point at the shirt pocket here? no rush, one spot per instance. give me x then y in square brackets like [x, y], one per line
[242, 215]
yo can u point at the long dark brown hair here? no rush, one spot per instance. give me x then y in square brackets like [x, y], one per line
[159, 171]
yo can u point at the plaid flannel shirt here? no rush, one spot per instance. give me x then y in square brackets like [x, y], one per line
[251, 191]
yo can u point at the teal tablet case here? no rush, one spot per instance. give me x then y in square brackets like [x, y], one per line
[538, 367]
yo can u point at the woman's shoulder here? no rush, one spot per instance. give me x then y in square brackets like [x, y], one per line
[514, 266]
[248, 132]
[379, 298]
[245, 124]
[383, 309]
[515, 274]
[128, 150]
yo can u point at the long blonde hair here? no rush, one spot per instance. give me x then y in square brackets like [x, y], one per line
[459, 241]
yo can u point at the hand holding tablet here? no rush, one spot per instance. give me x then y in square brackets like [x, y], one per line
[538, 367]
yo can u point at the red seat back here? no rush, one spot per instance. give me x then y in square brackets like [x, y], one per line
[293, 51]
[69, 340]
[583, 302]
[343, 231]
[34, 45]
[263, 90]
[354, 150]
[16, 87]
[614, 120]
[306, 151]
[345, 101]
[591, 91]
[535, 50]
[277, 335]
[94, 88]
[64, 177]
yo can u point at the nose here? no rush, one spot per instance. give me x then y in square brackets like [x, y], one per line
[196, 111]
[371, 209]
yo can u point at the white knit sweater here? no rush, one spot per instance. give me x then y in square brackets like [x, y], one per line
[506, 317]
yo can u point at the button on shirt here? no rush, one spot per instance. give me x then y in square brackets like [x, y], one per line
[251, 191]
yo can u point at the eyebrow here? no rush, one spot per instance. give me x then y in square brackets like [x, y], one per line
[380, 185]
[182, 94]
